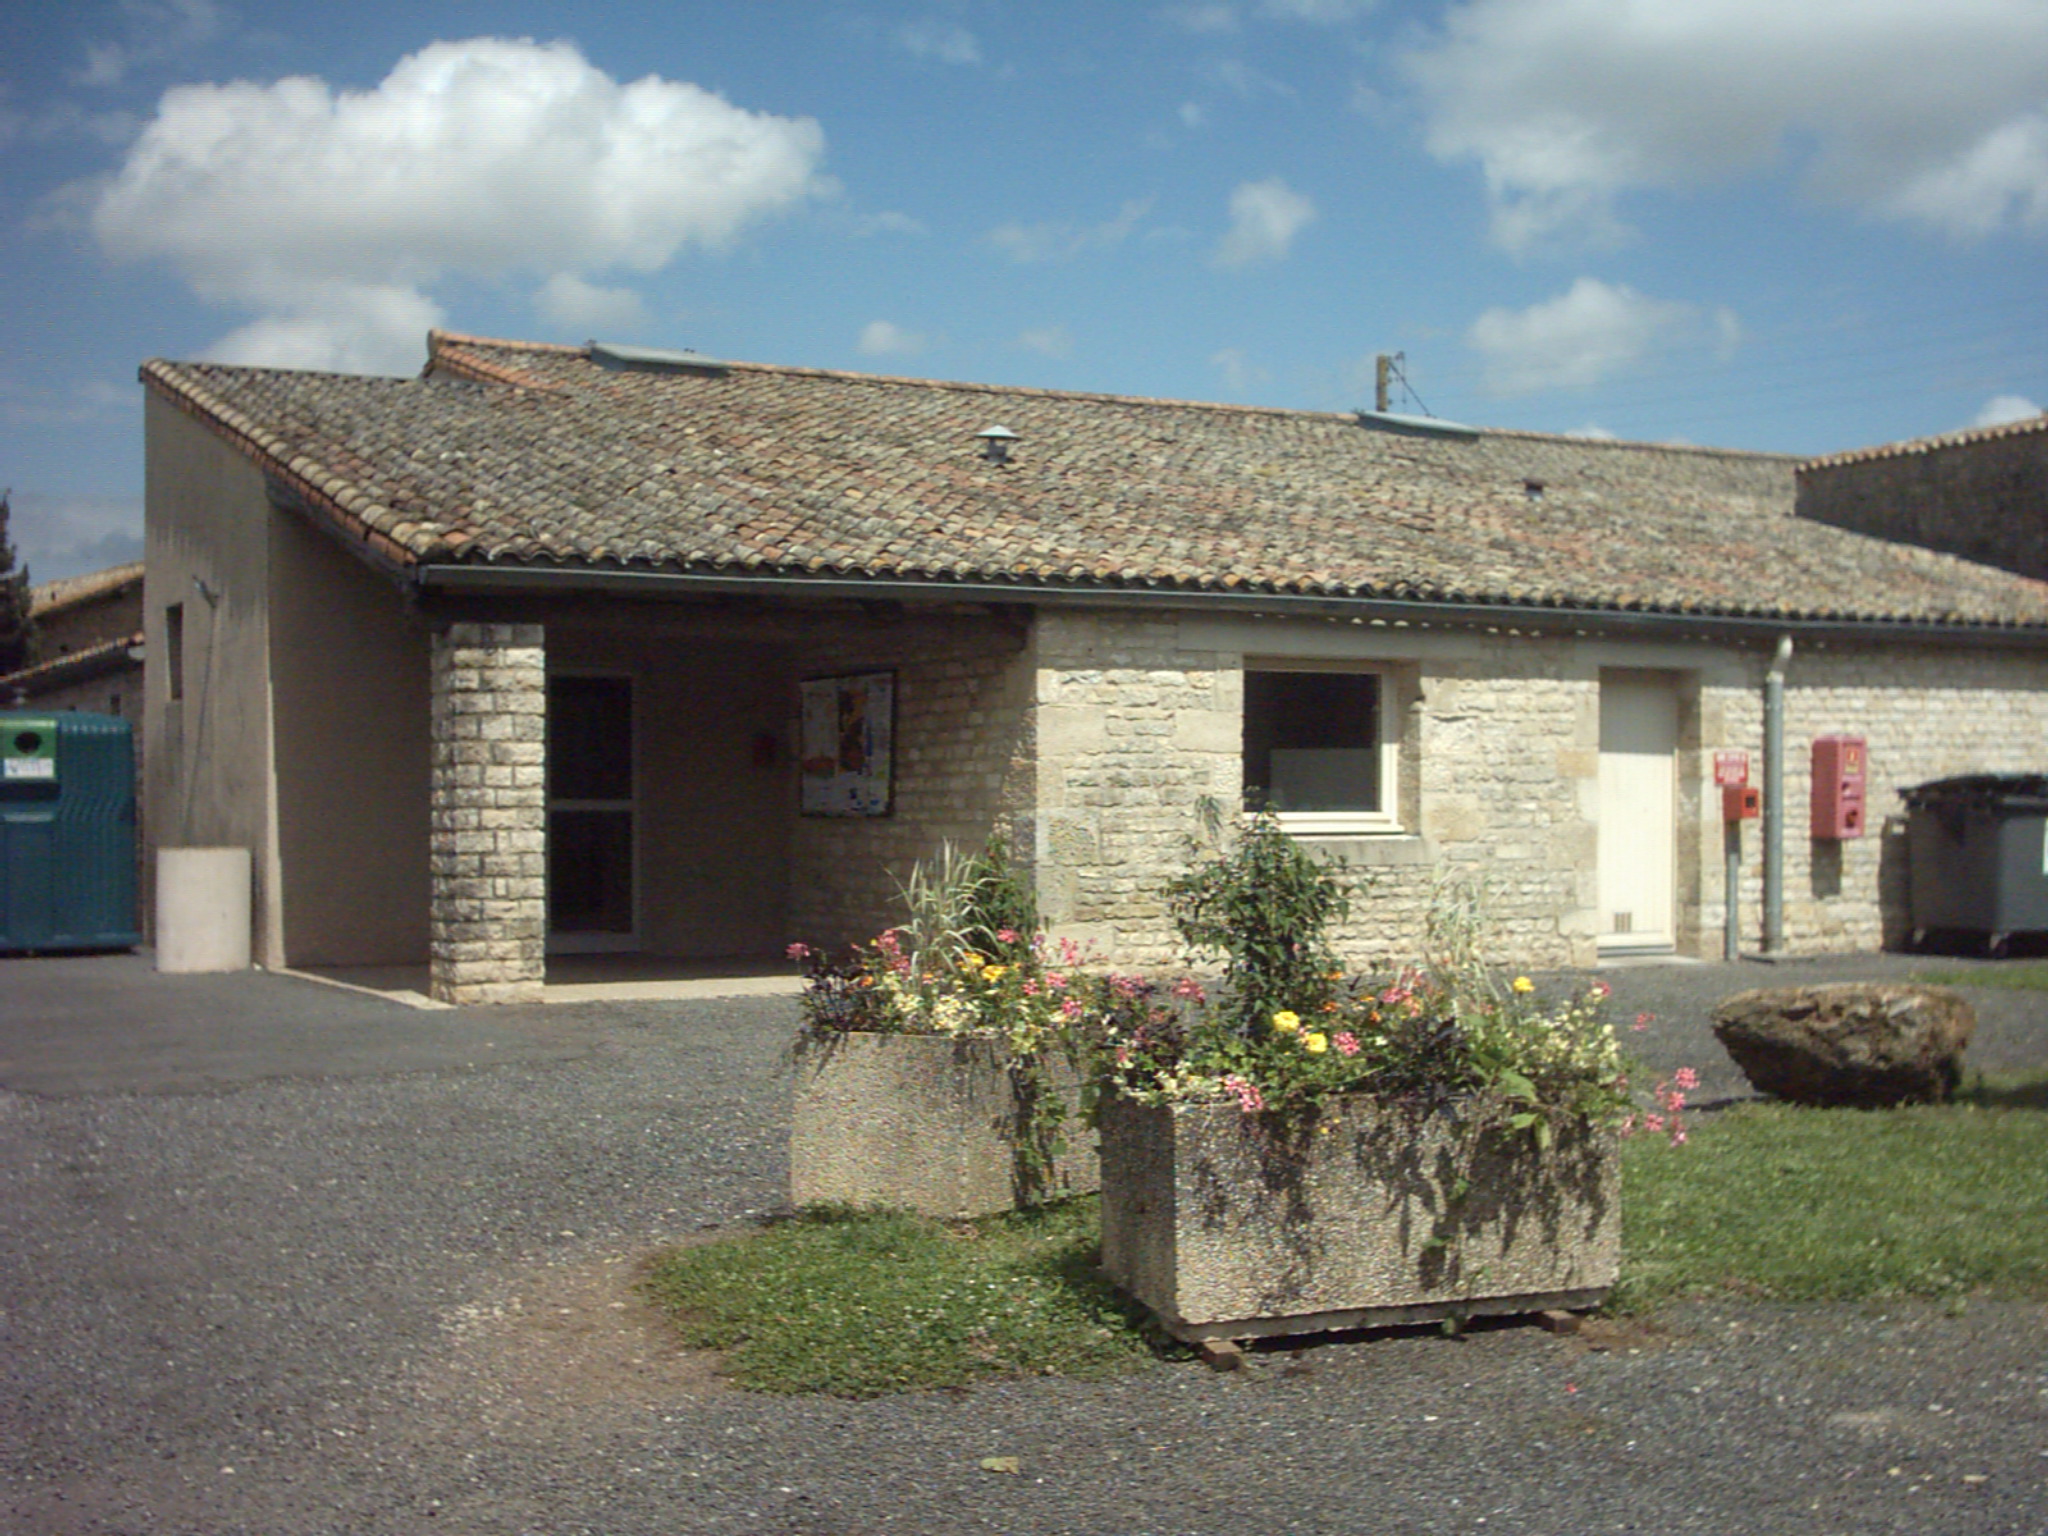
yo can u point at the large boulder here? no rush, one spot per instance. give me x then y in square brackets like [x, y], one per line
[1861, 1043]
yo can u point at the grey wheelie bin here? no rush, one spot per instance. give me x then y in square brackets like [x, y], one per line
[1977, 854]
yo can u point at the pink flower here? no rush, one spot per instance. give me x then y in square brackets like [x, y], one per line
[1686, 1078]
[1346, 1043]
[1030, 988]
[1006, 935]
[1601, 990]
[798, 951]
[1652, 1121]
[1642, 1021]
[1189, 990]
[1056, 981]
[1071, 1008]
[1247, 1094]
[1123, 1055]
[1678, 1136]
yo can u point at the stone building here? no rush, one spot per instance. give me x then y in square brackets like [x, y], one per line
[557, 648]
[1981, 494]
[88, 647]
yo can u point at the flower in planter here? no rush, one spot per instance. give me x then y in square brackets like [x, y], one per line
[1450, 1033]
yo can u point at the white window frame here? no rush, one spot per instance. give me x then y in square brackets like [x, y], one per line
[1387, 820]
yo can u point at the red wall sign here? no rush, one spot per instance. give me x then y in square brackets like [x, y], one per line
[1731, 769]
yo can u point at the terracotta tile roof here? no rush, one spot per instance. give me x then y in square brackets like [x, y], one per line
[2024, 427]
[512, 453]
[73, 667]
[48, 597]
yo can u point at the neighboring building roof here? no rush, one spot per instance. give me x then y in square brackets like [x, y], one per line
[523, 455]
[78, 666]
[67, 592]
[2026, 426]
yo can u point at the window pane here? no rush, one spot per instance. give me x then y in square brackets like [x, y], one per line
[1311, 741]
[590, 871]
[590, 738]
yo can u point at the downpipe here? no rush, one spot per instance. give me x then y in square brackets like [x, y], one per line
[1774, 797]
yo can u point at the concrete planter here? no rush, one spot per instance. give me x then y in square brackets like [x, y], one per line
[1227, 1236]
[923, 1123]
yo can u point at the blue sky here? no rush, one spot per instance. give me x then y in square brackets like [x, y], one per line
[1801, 227]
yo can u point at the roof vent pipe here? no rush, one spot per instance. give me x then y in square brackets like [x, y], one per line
[1774, 797]
[995, 444]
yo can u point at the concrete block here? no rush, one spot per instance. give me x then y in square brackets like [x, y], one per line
[1225, 1235]
[923, 1123]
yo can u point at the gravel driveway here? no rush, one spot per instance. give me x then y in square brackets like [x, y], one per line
[287, 1299]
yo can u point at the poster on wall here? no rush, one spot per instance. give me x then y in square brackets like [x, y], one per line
[849, 745]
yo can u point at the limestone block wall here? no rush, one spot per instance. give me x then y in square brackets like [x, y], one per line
[1140, 718]
[964, 763]
[1926, 714]
[488, 813]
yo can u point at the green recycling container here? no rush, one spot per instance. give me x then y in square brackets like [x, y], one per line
[67, 832]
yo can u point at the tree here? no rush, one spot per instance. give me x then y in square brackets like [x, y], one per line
[17, 629]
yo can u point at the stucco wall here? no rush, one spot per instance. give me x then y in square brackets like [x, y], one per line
[208, 779]
[1139, 718]
[964, 763]
[348, 664]
[1986, 499]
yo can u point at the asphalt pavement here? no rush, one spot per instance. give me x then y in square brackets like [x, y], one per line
[281, 1259]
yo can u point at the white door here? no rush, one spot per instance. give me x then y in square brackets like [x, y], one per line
[1638, 811]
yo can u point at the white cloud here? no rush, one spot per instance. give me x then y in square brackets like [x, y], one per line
[888, 222]
[1930, 113]
[940, 40]
[328, 213]
[1238, 372]
[2000, 409]
[337, 328]
[1323, 13]
[568, 303]
[1593, 431]
[1192, 115]
[879, 338]
[1265, 216]
[154, 30]
[1060, 241]
[69, 535]
[1047, 340]
[1213, 16]
[1202, 16]
[1586, 334]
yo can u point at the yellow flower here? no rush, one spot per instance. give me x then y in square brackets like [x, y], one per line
[993, 972]
[1316, 1042]
[971, 961]
[1524, 984]
[1286, 1022]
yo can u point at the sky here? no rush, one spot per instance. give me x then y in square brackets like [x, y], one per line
[1800, 227]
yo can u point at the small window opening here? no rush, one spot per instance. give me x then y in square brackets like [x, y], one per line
[1312, 743]
[174, 650]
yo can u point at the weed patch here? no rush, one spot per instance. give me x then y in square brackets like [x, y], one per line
[862, 1303]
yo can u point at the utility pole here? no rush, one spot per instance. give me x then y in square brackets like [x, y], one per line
[1383, 375]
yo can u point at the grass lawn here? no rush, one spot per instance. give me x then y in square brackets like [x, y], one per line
[1765, 1200]
[1836, 1204]
[2017, 976]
